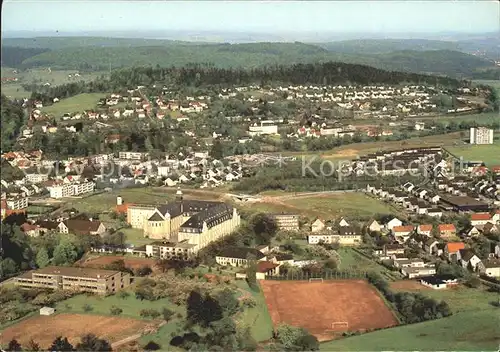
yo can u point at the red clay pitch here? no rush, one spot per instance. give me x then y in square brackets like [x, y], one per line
[316, 305]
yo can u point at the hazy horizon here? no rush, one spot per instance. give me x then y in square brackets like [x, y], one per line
[277, 18]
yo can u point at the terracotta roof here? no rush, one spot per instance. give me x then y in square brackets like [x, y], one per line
[426, 227]
[481, 216]
[122, 208]
[264, 266]
[447, 227]
[453, 247]
[407, 228]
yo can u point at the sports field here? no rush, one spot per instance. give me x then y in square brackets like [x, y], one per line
[130, 262]
[328, 205]
[44, 329]
[323, 308]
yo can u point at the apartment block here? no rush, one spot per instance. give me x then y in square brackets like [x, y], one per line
[132, 155]
[16, 203]
[36, 178]
[289, 222]
[70, 189]
[481, 135]
[79, 279]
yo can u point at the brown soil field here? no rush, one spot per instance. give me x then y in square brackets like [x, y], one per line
[130, 262]
[44, 329]
[316, 305]
[408, 285]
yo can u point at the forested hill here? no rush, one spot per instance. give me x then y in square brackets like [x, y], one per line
[329, 73]
[97, 54]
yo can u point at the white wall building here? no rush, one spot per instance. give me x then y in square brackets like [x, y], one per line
[481, 135]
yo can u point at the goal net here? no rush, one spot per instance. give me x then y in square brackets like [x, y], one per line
[316, 279]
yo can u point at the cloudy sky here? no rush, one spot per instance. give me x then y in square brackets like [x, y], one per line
[385, 16]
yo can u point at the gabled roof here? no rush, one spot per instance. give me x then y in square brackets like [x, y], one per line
[264, 266]
[407, 228]
[240, 253]
[453, 247]
[466, 254]
[446, 227]
[156, 217]
[82, 226]
[481, 216]
[425, 227]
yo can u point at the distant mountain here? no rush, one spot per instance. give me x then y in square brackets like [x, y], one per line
[99, 53]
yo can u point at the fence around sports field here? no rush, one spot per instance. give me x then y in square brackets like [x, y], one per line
[327, 275]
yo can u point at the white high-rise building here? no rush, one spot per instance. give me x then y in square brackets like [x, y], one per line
[481, 135]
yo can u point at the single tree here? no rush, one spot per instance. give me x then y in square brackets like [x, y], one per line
[42, 258]
[14, 346]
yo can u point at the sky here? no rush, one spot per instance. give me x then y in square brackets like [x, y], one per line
[383, 16]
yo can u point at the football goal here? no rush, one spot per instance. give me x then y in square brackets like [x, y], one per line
[316, 279]
[340, 325]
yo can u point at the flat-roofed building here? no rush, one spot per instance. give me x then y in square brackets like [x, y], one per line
[289, 222]
[78, 279]
[481, 135]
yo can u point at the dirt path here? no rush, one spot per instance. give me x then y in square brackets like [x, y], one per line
[125, 341]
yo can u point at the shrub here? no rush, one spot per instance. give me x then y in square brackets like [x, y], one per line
[114, 310]
[87, 307]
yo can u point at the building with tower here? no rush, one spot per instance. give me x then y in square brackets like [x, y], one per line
[189, 225]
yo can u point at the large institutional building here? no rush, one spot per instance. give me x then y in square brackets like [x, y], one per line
[183, 226]
[79, 279]
[481, 135]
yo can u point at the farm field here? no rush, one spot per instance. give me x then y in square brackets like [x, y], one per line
[44, 329]
[130, 262]
[77, 103]
[479, 333]
[324, 205]
[315, 306]
[41, 76]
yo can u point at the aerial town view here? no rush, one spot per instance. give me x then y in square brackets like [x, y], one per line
[250, 176]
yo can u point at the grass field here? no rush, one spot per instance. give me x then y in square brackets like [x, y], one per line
[257, 318]
[136, 237]
[328, 206]
[41, 76]
[473, 326]
[78, 103]
[107, 201]
[488, 153]
[100, 305]
[351, 260]
[467, 331]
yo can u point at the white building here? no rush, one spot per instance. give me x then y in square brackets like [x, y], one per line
[132, 155]
[36, 178]
[481, 135]
[265, 127]
[17, 203]
[70, 189]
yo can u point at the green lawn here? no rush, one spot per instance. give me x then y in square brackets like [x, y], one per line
[351, 260]
[475, 330]
[136, 237]
[473, 326]
[77, 103]
[257, 318]
[463, 299]
[489, 154]
[101, 305]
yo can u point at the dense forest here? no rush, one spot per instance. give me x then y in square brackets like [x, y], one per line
[92, 56]
[12, 118]
[14, 56]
